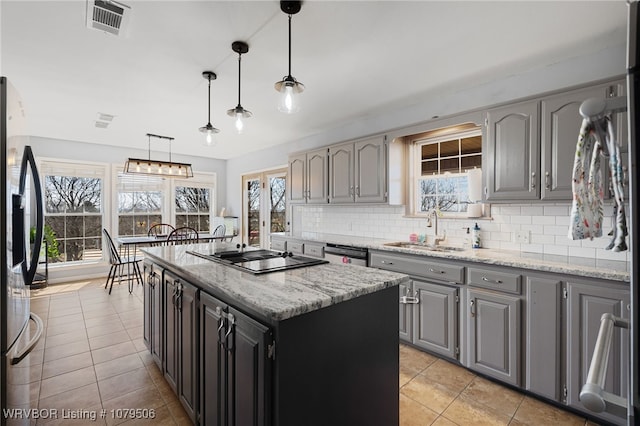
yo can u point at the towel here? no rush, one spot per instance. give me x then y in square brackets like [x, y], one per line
[596, 139]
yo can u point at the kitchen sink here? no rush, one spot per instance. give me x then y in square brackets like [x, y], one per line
[426, 247]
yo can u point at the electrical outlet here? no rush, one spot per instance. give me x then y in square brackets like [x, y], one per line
[523, 237]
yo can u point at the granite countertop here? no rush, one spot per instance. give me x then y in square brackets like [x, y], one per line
[579, 266]
[277, 295]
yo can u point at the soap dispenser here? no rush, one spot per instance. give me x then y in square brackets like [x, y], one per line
[475, 237]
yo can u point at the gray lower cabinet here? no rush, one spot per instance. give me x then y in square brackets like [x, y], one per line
[428, 314]
[406, 311]
[180, 354]
[493, 324]
[152, 332]
[435, 318]
[235, 370]
[543, 337]
[586, 303]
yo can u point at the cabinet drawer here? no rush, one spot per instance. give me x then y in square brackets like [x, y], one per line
[280, 245]
[496, 280]
[295, 247]
[425, 268]
[315, 250]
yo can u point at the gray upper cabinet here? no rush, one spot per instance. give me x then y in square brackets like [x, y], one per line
[494, 335]
[341, 177]
[370, 171]
[529, 146]
[561, 121]
[357, 172]
[585, 305]
[308, 177]
[511, 150]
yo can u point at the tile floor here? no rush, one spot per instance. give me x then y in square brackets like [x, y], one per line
[92, 357]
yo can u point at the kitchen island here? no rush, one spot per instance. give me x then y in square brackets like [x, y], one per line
[314, 345]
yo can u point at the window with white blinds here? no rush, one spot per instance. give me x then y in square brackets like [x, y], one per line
[73, 210]
[140, 202]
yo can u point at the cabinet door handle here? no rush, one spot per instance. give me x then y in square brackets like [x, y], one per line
[472, 308]
[547, 185]
[485, 279]
[435, 271]
[533, 180]
[230, 323]
[357, 191]
[351, 191]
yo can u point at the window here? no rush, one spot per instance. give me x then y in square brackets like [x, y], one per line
[441, 163]
[73, 211]
[193, 207]
[140, 203]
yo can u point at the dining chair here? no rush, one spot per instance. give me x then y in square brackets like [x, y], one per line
[160, 231]
[118, 263]
[183, 235]
[220, 231]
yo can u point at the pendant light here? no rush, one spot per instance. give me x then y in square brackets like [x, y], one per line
[238, 112]
[209, 130]
[289, 87]
[164, 168]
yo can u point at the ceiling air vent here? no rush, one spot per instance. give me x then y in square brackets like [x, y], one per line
[108, 16]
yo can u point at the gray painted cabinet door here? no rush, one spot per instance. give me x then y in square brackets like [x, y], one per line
[435, 318]
[153, 311]
[370, 171]
[317, 181]
[494, 335]
[511, 147]
[543, 337]
[187, 354]
[296, 179]
[585, 305]
[560, 123]
[406, 313]
[341, 179]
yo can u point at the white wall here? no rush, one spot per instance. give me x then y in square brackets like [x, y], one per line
[444, 102]
[83, 151]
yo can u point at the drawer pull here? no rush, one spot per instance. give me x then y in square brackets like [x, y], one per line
[491, 281]
[384, 262]
[435, 271]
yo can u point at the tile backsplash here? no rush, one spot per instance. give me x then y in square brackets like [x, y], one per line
[545, 225]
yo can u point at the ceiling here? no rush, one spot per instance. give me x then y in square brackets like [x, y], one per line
[356, 59]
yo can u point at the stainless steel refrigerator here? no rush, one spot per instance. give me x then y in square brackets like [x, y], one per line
[20, 329]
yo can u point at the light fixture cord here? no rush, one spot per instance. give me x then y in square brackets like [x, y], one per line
[239, 76]
[209, 118]
[289, 45]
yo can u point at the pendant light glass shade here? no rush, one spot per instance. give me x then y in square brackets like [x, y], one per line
[209, 131]
[289, 87]
[239, 113]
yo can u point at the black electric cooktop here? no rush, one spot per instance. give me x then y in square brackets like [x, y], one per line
[260, 261]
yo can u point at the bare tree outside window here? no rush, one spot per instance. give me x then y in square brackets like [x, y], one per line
[277, 188]
[73, 211]
[193, 208]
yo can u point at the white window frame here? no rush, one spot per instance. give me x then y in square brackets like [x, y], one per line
[415, 170]
[168, 211]
[47, 167]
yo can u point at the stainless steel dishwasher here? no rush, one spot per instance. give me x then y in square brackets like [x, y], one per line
[337, 253]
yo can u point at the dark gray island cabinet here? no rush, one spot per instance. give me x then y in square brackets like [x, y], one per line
[313, 346]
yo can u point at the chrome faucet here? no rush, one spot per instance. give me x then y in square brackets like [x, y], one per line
[438, 239]
[432, 220]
